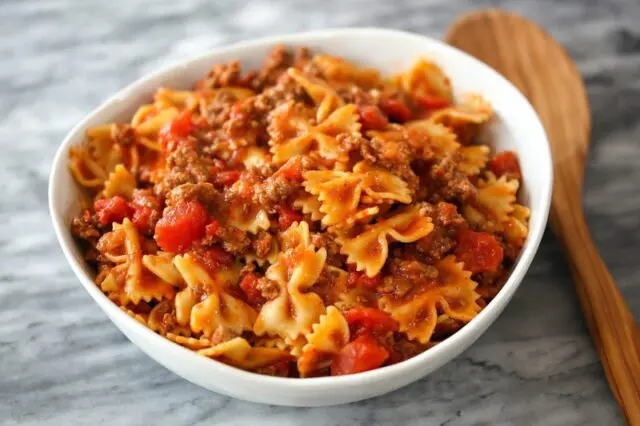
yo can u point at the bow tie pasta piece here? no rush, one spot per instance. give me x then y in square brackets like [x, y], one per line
[305, 137]
[270, 258]
[338, 192]
[111, 282]
[426, 79]
[442, 140]
[323, 95]
[340, 70]
[473, 110]
[128, 281]
[417, 312]
[344, 120]
[252, 220]
[238, 353]
[120, 182]
[218, 308]
[141, 318]
[292, 346]
[308, 204]
[162, 320]
[92, 163]
[326, 340]
[369, 250]
[496, 197]
[161, 265]
[182, 99]
[382, 185]
[190, 342]
[466, 118]
[151, 124]
[515, 227]
[293, 311]
[296, 236]
[474, 159]
[289, 131]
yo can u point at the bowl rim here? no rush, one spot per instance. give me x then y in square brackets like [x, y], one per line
[470, 331]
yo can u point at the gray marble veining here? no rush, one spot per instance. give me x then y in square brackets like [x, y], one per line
[63, 363]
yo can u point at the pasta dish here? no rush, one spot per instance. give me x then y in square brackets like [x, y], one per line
[310, 218]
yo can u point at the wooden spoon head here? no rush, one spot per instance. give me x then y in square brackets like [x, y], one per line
[537, 65]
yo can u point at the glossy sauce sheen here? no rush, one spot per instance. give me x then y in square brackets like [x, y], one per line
[310, 218]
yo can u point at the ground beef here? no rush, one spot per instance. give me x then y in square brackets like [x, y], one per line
[436, 244]
[325, 287]
[511, 250]
[85, 228]
[490, 283]
[278, 61]
[234, 240]
[277, 188]
[184, 165]
[112, 243]
[247, 125]
[447, 222]
[443, 214]
[446, 183]
[326, 240]
[217, 110]
[268, 288]
[123, 134]
[262, 244]
[274, 190]
[203, 192]
[393, 155]
[222, 75]
[406, 275]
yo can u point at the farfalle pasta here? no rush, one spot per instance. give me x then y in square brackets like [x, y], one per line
[312, 218]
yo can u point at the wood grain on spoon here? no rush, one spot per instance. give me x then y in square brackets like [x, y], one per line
[534, 62]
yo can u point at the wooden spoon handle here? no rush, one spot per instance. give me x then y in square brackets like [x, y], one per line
[608, 317]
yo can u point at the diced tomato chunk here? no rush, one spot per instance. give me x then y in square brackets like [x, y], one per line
[214, 259]
[370, 320]
[181, 225]
[371, 118]
[363, 354]
[114, 209]
[249, 288]
[506, 163]
[287, 216]
[176, 131]
[292, 171]
[226, 178]
[395, 110]
[431, 102]
[145, 207]
[480, 251]
[361, 279]
[142, 219]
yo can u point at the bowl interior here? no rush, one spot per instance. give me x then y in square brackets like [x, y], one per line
[516, 128]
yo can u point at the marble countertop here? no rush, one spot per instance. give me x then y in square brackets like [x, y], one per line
[62, 362]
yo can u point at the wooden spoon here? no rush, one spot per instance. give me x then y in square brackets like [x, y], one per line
[535, 63]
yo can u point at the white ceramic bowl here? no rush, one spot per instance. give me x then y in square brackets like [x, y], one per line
[517, 128]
